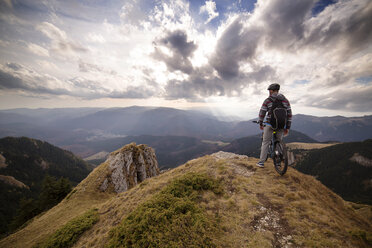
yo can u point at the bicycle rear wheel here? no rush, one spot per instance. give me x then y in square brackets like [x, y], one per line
[280, 158]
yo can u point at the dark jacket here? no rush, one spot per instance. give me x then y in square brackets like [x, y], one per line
[267, 105]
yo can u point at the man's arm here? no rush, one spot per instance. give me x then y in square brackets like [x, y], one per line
[262, 113]
[287, 105]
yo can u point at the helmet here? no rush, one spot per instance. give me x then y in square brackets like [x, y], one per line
[274, 87]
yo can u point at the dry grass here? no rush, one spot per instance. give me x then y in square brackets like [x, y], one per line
[213, 142]
[308, 146]
[259, 208]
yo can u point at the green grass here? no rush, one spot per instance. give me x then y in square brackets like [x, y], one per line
[68, 234]
[365, 237]
[171, 218]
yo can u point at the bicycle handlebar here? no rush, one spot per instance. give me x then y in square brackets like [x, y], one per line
[257, 122]
[265, 122]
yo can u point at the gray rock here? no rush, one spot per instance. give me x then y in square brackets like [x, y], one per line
[228, 155]
[130, 166]
[104, 185]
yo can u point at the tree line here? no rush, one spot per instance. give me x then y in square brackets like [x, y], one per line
[52, 192]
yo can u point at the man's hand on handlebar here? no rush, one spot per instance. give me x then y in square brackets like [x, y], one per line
[262, 125]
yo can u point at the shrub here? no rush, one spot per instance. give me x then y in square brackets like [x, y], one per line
[171, 218]
[366, 237]
[68, 234]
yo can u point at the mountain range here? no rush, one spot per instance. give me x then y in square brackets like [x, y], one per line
[173, 151]
[63, 127]
[336, 128]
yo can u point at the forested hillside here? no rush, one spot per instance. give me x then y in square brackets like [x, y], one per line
[345, 168]
[29, 167]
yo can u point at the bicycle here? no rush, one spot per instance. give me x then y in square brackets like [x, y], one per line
[278, 152]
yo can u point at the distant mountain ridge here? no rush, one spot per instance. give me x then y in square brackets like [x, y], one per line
[336, 128]
[173, 151]
[70, 126]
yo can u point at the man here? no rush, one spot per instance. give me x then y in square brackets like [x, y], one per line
[267, 106]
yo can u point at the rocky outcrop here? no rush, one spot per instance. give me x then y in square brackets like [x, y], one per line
[43, 164]
[228, 155]
[13, 182]
[361, 160]
[129, 166]
[2, 161]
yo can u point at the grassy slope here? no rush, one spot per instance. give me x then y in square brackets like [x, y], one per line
[257, 209]
[84, 197]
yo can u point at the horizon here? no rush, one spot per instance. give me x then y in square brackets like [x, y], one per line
[202, 110]
[213, 55]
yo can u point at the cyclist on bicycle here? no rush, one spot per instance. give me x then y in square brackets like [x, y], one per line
[267, 107]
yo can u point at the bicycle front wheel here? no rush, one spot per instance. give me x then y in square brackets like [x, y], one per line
[280, 158]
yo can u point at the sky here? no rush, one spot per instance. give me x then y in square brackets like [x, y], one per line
[219, 55]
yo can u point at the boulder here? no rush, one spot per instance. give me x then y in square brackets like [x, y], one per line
[129, 166]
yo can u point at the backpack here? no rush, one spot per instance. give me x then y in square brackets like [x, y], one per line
[278, 115]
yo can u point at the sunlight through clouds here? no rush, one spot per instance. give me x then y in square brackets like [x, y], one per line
[190, 52]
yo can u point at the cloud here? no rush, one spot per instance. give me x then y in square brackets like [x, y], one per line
[94, 37]
[241, 57]
[356, 99]
[177, 41]
[344, 28]
[283, 21]
[59, 40]
[94, 89]
[140, 49]
[196, 87]
[180, 49]
[9, 3]
[236, 44]
[88, 67]
[38, 50]
[171, 15]
[202, 84]
[133, 92]
[222, 75]
[132, 13]
[16, 77]
[210, 9]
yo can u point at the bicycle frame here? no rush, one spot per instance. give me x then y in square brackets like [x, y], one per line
[277, 152]
[274, 140]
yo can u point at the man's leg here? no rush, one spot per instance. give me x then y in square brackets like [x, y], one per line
[267, 136]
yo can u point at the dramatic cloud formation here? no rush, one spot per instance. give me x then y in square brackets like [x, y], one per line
[17, 77]
[211, 52]
[236, 44]
[179, 50]
[210, 9]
